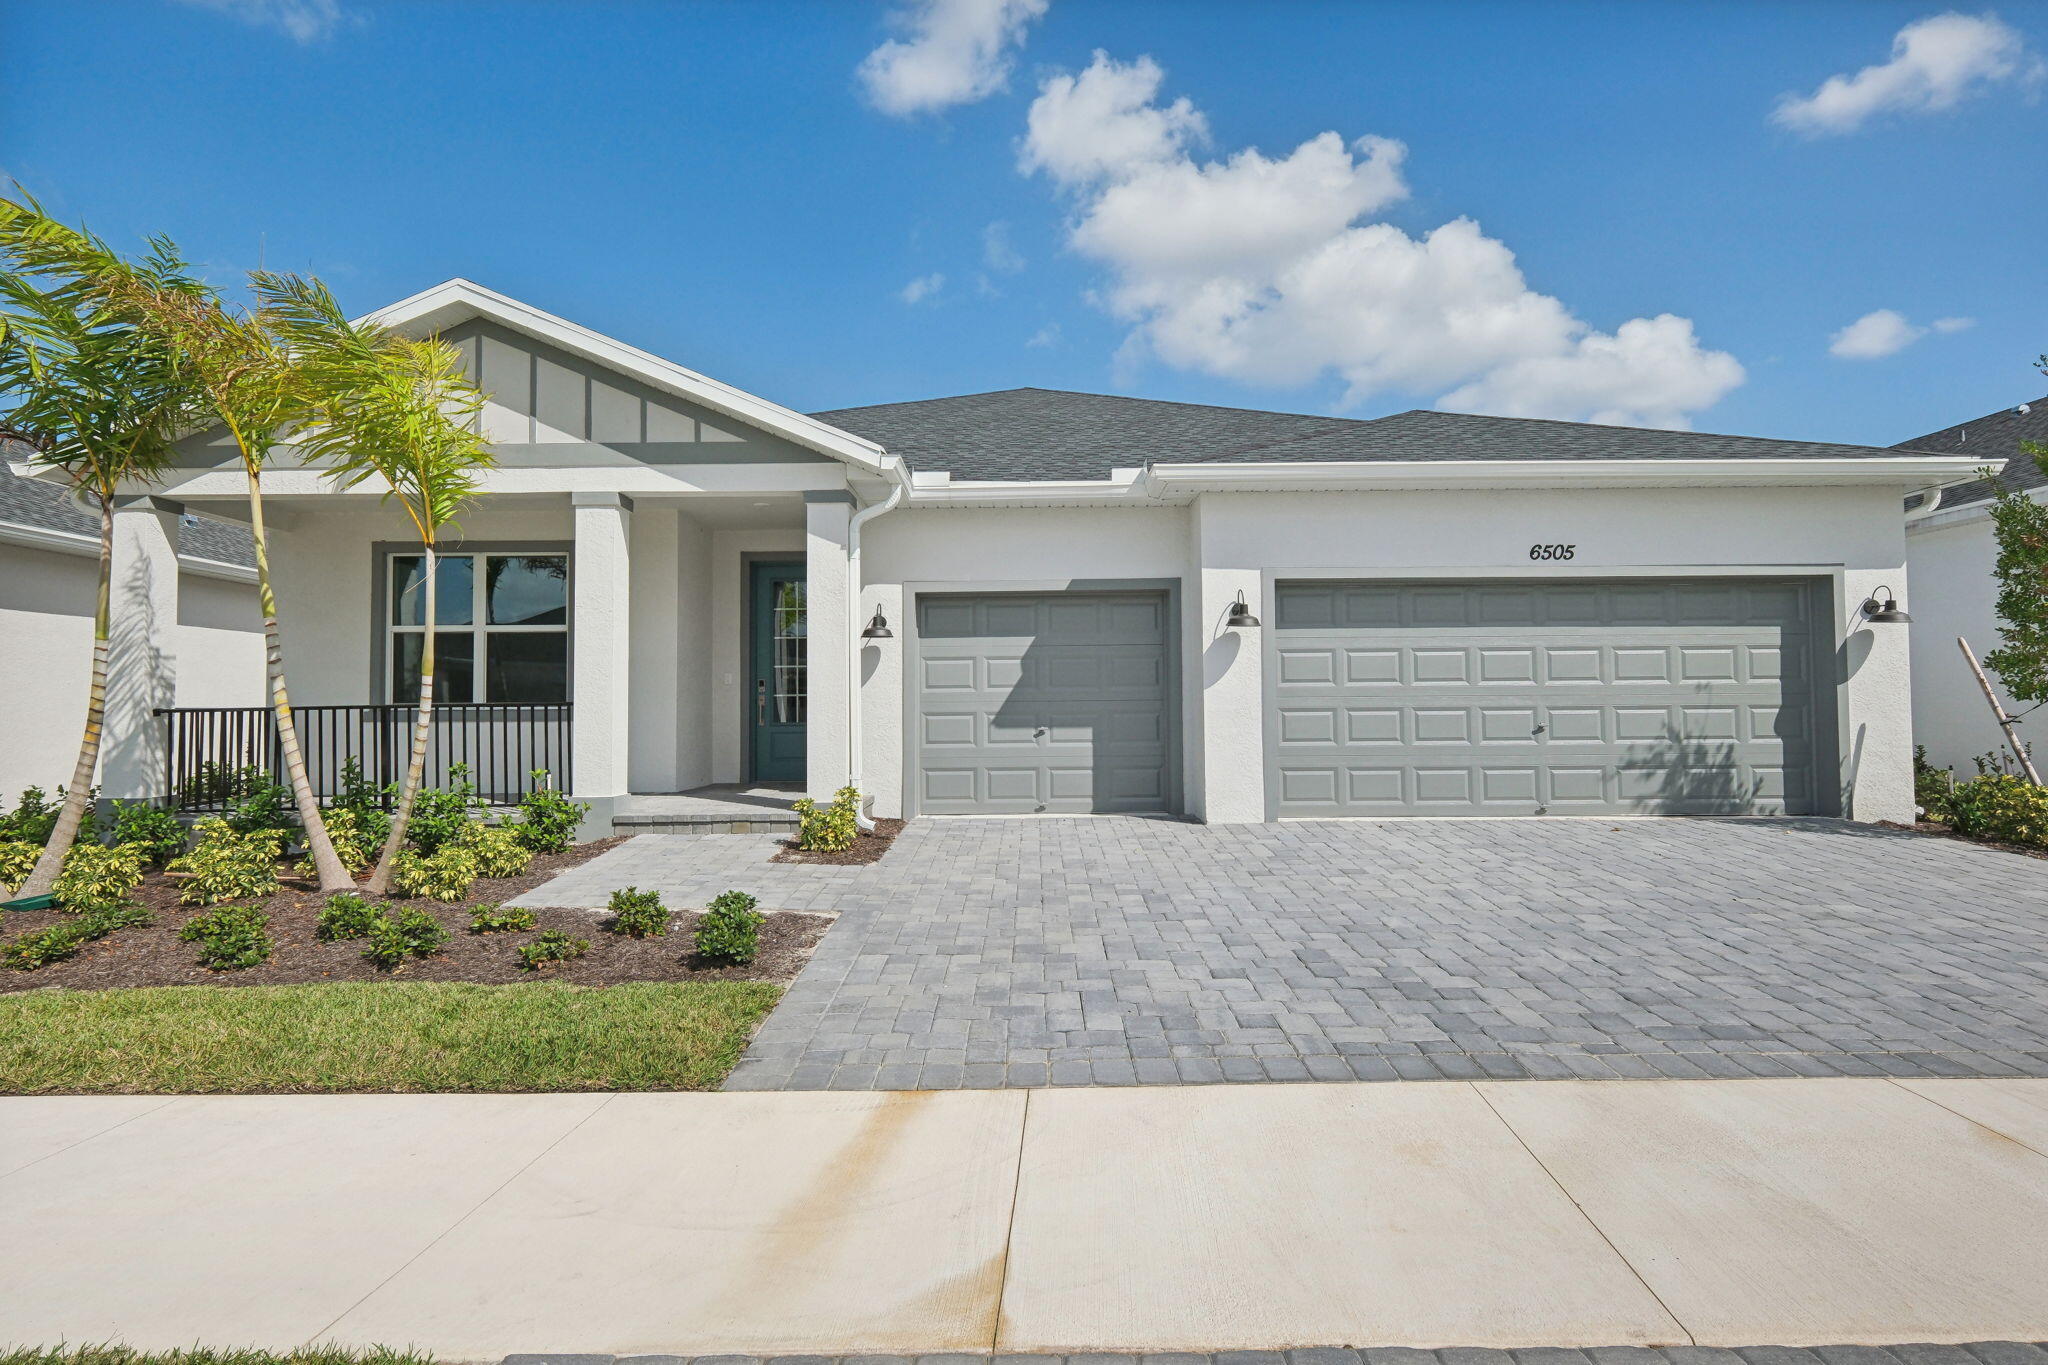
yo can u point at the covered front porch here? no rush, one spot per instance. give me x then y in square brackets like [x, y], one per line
[678, 661]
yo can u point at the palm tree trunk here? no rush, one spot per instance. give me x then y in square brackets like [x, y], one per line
[327, 865]
[51, 862]
[422, 731]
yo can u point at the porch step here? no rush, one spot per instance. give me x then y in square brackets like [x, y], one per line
[766, 822]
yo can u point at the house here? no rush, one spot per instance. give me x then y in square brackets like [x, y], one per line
[1040, 602]
[211, 649]
[1949, 554]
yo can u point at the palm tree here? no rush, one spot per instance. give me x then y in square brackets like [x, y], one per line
[250, 386]
[391, 408]
[100, 400]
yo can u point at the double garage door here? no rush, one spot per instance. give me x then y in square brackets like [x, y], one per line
[1043, 703]
[1682, 697]
[1645, 697]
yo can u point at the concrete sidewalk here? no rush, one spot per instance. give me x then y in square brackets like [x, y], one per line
[1512, 1214]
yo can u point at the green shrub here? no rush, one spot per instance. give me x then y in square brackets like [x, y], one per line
[230, 939]
[551, 947]
[351, 843]
[489, 918]
[366, 801]
[548, 820]
[346, 915]
[828, 829]
[439, 815]
[1931, 785]
[31, 820]
[266, 807]
[98, 878]
[446, 876]
[496, 848]
[63, 940]
[730, 930]
[637, 913]
[2003, 807]
[414, 933]
[45, 946]
[17, 860]
[228, 864]
[157, 832]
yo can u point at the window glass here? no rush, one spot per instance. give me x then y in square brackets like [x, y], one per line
[454, 666]
[790, 651]
[528, 590]
[528, 668]
[454, 590]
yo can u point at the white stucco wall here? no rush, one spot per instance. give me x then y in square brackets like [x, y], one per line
[1228, 543]
[46, 612]
[1954, 594]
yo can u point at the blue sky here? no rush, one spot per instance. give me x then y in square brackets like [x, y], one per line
[1653, 235]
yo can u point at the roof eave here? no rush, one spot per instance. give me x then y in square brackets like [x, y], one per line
[1178, 482]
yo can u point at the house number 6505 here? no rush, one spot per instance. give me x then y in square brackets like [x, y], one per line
[1552, 551]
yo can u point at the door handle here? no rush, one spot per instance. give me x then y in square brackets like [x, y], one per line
[1539, 729]
[760, 701]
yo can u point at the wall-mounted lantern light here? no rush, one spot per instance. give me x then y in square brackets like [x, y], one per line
[1241, 613]
[1883, 609]
[878, 629]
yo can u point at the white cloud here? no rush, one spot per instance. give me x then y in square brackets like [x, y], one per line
[996, 251]
[922, 288]
[1267, 269]
[1948, 325]
[1045, 337]
[304, 21]
[953, 52]
[1936, 63]
[1885, 332]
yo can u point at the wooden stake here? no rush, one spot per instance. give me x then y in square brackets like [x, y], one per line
[2005, 722]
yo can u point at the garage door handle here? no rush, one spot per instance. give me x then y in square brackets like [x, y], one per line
[1039, 731]
[1539, 729]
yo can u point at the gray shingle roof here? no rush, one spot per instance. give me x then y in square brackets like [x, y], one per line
[48, 507]
[1038, 434]
[1995, 436]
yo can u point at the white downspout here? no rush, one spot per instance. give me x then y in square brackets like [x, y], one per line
[861, 820]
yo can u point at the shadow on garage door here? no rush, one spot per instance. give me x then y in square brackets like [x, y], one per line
[1045, 703]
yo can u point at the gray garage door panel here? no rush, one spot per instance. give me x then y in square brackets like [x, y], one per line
[1042, 702]
[1679, 697]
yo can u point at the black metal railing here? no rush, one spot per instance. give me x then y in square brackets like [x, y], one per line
[208, 750]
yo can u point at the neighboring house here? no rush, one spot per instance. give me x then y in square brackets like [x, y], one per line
[1950, 553]
[49, 547]
[1062, 602]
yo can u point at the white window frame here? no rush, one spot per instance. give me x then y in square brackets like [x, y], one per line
[478, 624]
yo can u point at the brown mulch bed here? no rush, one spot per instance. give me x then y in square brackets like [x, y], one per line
[154, 956]
[867, 848]
[1941, 831]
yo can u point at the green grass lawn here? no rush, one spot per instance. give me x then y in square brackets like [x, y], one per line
[377, 1036]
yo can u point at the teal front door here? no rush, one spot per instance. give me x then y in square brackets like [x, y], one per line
[778, 677]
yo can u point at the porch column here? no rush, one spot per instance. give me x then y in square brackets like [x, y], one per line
[828, 666]
[601, 581]
[142, 653]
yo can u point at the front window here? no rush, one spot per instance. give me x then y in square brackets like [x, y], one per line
[501, 627]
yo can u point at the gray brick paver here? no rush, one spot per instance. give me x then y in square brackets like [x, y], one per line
[1120, 950]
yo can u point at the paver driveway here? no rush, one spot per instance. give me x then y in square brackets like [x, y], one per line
[1114, 950]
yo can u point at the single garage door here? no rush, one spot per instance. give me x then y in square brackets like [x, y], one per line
[1642, 697]
[1042, 702]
